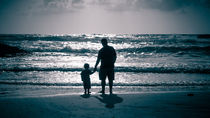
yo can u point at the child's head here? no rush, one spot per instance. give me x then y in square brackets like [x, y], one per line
[86, 66]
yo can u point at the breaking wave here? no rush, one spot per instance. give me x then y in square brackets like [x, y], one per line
[120, 69]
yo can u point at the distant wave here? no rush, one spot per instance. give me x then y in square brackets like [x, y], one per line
[98, 84]
[36, 37]
[162, 49]
[121, 69]
[162, 70]
[156, 38]
[65, 49]
[165, 49]
[160, 43]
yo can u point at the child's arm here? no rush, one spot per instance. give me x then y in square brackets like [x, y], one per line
[91, 72]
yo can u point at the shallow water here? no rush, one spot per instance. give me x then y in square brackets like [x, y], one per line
[150, 60]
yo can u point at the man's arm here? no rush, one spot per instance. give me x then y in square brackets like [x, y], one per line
[114, 56]
[97, 62]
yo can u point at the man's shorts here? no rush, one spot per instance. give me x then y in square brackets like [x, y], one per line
[106, 72]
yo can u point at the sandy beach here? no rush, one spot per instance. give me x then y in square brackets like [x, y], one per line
[141, 105]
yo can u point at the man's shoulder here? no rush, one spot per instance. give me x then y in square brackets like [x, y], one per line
[100, 50]
[109, 47]
[106, 49]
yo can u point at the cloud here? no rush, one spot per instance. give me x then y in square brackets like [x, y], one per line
[172, 5]
[161, 5]
[26, 7]
[69, 6]
[63, 5]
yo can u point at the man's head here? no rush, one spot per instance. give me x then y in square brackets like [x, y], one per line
[104, 42]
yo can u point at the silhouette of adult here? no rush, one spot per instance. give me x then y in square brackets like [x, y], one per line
[107, 56]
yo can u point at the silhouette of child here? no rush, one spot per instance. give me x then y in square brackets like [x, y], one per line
[85, 76]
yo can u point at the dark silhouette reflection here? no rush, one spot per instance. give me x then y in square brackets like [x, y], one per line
[85, 95]
[109, 100]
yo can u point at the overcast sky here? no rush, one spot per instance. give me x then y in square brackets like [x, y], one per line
[104, 16]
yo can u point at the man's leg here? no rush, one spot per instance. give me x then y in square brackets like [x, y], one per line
[111, 78]
[102, 76]
[85, 91]
[110, 86]
[103, 83]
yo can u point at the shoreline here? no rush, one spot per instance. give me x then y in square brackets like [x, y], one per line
[10, 91]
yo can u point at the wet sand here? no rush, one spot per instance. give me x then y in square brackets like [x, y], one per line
[146, 105]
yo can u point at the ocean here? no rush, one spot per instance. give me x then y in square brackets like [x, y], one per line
[51, 64]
